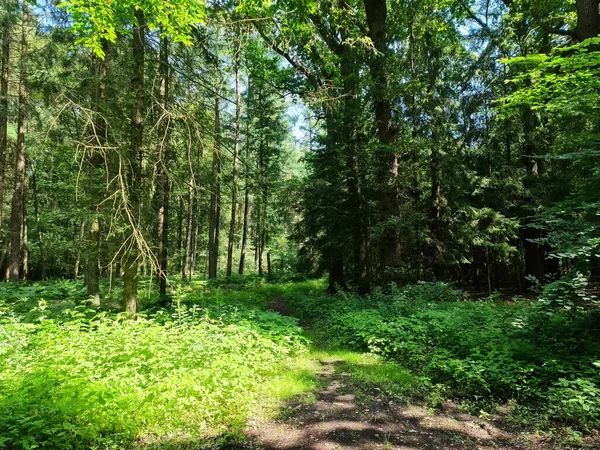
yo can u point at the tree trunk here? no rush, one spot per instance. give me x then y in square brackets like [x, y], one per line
[163, 171]
[260, 255]
[534, 252]
[132, 254]
[269, 270]
[246, 194]
[99, 138]
[435, 214]
[24, 237]
[245, 228]
[179, 233]
[588, 20]
[188, 233]
[215, 195]
[236, 151]
[376, 12]
[349, 71]
[4, 72]
[196, 236]
[77, 264]
[92, 267]
[18, 206]
[336, 275]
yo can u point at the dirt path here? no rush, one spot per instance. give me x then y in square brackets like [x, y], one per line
[336, 420]
[340, 416]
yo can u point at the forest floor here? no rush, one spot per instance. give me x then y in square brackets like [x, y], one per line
[353, 408]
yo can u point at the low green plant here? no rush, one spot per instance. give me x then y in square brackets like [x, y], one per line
[484, 352]
[80, 378]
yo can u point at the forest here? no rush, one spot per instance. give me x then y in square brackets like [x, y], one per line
[299, 224]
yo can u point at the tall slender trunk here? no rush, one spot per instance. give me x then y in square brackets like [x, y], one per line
[4, 72]
[435, 213]
[77, 264]
[99, 138]
[196, 235]
[25, 239]
[18, 206]
[38, 226]
[215, 195]
[260, 247]
[179, 233]
[262, 208]
[256, 250]
[92, 267]
[245, 231]
[163, 171]
[534, 252]
[246, 198]
[188, 232]
[236, 152]
[269, 270]
[132, 254]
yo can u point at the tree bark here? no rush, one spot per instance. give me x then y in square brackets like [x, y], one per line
[349, 72]
[163, 182]
[77, 264]
[98, 137]
[24, 238]
[269, 270]
[195, 236]
[179, 233]
[588, 20]
[18, 206]
[376, 13]
[435, 213]
[260, 249]
[92, 267]
[246, 196]
[132, 254]
[188, 233]
[236, 151]
[336, 275]
[215, 195]
[4, 72]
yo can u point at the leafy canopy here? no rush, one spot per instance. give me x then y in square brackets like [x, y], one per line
[96, 20]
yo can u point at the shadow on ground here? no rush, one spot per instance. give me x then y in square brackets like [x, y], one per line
[337, 420]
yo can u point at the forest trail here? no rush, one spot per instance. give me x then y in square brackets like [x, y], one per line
[347, 414]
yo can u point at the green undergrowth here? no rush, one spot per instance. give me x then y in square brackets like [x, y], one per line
[482, 352]
[186, 377]
[191, 375]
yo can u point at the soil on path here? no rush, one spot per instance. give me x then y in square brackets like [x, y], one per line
[335, 419]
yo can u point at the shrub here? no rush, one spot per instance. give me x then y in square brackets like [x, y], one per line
[472, 349]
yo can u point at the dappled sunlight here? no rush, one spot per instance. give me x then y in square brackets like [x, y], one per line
[338, 420]
[475, 429]
[413, 412]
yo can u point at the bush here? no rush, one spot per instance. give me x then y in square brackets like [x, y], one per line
[473, 349]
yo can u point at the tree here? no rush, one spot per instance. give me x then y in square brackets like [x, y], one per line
[236, 152]
[18, 199]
